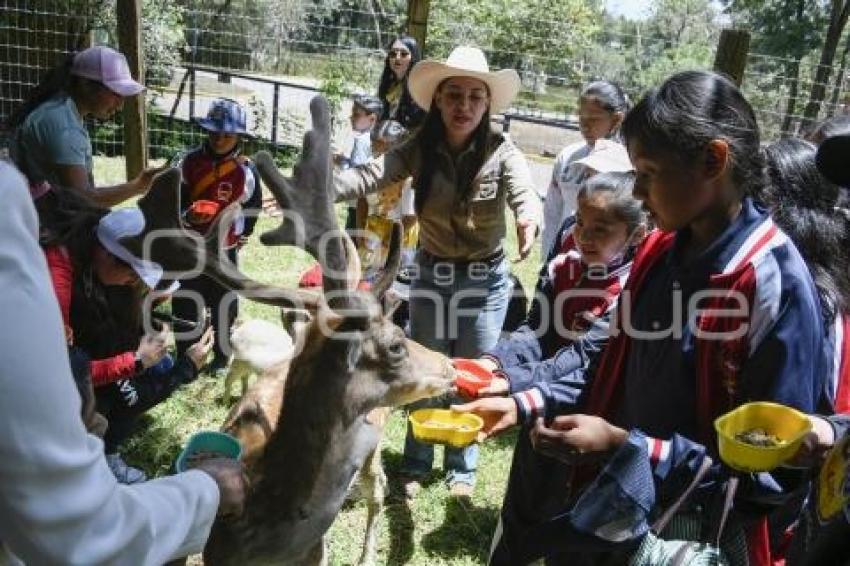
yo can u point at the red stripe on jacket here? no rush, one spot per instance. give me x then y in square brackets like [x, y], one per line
[104, 371]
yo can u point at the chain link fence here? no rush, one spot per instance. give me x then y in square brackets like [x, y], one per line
[274, 55]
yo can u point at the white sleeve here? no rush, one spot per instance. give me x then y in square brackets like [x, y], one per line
[59, 502]
[250, 184]
[553, 207]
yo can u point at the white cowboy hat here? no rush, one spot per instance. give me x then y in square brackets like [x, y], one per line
[463, 62]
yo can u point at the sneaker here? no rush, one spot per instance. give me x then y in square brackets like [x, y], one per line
[461, 490]
[123, 472]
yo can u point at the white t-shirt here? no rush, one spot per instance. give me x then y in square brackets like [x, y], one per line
[567, 176]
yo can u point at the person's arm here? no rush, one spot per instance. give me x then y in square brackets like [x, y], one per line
[522, 198]
[785, 340]
[76, 177]
[59, 502]
[553, 209]
[394, 166]
[253, 203]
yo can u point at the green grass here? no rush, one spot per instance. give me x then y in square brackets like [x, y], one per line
[433, 529]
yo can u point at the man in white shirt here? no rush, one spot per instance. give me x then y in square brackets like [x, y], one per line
[59, 502]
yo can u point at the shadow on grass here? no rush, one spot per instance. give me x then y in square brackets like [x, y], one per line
[466, 531]
[508, 439]
[397, 509]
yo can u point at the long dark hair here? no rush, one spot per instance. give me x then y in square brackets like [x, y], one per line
[388, 79]
[105, 319]
[56, 80]
[679, 119]
[430, 137]
[803, 204]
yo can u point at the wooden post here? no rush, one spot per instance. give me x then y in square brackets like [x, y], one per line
[135, 124]
[417, 21]
[731, 56]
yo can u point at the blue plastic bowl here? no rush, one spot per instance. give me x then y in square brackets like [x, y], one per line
[208, 441]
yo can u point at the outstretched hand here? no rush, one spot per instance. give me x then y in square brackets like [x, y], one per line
[199, 351]
[153, 347]
[498, 414]
[232, 484]
[572, 438]
[144, 179]
[526, 233]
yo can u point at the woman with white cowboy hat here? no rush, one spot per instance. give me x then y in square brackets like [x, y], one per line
[464, 174]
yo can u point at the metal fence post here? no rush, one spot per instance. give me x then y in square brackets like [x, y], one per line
[129, 14]
[274, 112]
[192, 94]
[731, 56]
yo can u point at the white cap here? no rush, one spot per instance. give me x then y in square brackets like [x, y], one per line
[120, 224]
[607, 157]
[106, 66]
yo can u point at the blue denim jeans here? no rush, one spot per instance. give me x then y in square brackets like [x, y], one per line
[457, 310]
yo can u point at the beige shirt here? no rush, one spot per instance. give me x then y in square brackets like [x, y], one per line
[446, 229]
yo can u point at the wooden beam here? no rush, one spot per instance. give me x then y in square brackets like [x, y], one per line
[417, 21]
[731, 56]
[135, 121]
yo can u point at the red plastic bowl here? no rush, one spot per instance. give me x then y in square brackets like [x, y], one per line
[203, 211]
[471, 377]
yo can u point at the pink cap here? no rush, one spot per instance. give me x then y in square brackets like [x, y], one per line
[107, 66]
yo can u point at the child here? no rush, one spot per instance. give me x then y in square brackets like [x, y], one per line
[802, 203]
[392, 204]
[719, 309]
[567, 326]
[216, 175]
[97, 282]
[365, 110]
[602, 106]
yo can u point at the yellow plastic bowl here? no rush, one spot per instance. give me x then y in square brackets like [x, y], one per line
[441, 426]
[785, 423]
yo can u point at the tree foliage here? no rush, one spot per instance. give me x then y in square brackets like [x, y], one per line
[551, 32]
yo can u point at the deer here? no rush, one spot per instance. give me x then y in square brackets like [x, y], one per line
[313, 421]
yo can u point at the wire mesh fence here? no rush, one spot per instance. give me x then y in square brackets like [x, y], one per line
[274, 55]
[779, 90]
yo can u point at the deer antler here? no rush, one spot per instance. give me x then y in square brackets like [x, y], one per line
[308, 194]
[392, 264]
[181, 251]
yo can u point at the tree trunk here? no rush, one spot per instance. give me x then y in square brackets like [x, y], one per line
[793, 74]
[837, 21]
[839, 80]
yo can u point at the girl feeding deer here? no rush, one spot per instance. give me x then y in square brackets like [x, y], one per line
[463, 176]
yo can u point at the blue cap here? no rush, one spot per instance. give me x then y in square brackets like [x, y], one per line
[225, 116]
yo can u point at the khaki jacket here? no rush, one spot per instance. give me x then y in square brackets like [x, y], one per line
[447, 230]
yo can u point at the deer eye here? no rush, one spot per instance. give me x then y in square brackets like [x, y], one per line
[397, 350]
